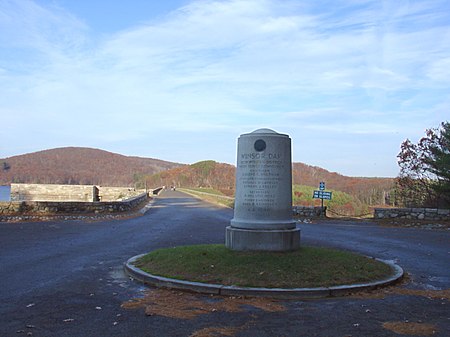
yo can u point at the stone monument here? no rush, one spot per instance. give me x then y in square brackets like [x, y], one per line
[263, 203]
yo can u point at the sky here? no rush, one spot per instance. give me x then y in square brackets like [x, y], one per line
[180, 80]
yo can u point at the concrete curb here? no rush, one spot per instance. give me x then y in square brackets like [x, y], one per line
[279, 293]
[146, 207]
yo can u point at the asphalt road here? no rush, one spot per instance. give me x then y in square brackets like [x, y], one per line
[66, 279]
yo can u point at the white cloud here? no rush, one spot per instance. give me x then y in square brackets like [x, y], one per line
[439, 71]
[24, 24]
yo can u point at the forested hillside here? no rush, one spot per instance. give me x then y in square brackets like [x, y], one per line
[371, 191]
[209, 174]
[221, 177]
[76, 165]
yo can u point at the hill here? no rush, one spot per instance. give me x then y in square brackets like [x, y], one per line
[370, 191]
[207, 174]
[221, 177]
[78, 165]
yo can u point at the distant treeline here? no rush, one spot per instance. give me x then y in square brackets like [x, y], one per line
[221, 177]
[73, 165]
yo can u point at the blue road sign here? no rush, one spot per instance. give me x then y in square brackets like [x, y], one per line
[322, 185]
[322, 195]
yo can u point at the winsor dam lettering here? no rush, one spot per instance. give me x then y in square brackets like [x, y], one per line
[256, 155]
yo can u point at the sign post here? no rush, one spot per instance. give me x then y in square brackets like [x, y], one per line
[322, 194]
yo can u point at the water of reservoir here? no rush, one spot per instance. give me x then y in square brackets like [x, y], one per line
[5, 192]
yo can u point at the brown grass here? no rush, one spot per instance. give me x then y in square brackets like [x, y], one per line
[182, 305]
[216, 331]
[411, 328]
[443, 294]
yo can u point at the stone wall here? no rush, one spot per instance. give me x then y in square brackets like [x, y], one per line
[117, 193]
[412, 213]
[55, 192]
[309, 211]
[72, 207]
[51, 192]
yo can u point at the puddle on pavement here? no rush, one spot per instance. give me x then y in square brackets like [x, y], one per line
[118, 275]
[439, 279]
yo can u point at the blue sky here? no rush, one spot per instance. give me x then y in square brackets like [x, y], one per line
[181, 80]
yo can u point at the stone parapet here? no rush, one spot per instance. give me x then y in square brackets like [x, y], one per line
[71, 207]
[60, 192]
[53, 192]
[107, 193]
[412, 213]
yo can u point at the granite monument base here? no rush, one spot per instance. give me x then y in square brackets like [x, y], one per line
[264, 240]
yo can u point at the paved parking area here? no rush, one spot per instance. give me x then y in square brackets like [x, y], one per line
[66, 279]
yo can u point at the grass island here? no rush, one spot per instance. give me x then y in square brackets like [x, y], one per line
[302, 268]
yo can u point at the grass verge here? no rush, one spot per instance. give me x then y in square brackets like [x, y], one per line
[210, 196]
[306, 267]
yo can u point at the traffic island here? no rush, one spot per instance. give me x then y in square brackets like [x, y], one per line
[309, 272]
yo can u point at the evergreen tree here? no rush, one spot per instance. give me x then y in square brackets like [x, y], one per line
[424, 178]
[439, 160]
